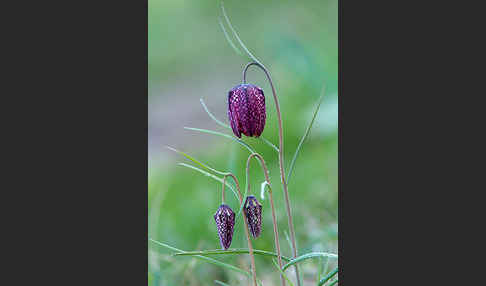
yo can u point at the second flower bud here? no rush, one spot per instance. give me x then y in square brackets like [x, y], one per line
[253, 212]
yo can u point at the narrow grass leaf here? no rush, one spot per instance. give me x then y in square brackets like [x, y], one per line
[292, 164]
[197, 161]
[230, 251]
[288, 241]
[323, 267]
[207, 259]
[212, 116]
[211, 176]
[333, 282]
[237, 37]
[220, 283]
[281, 272]
[229, 39]
[223, 135]
[307, 256]
[269, 143]
[328, 276]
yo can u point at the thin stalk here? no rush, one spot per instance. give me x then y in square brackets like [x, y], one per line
[274, 218]
[230, 251]
[222, 192]
[281, 162]
[208, 259]
[250, 247]
[328, 276]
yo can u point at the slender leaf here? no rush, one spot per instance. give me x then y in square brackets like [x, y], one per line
[229, 39]
[269, 143]
[211, 176]
[328, 276]
[281, 272]
[220, 283]
[288, 241]
[323, 268]
[224, 135]
[196, 161]
[333, 282]
[237, 37]
[307, 256]
[207, 259]
[230, 251]
[292, 164]
[212, 116]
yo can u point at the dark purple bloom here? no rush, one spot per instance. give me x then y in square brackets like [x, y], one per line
[225, 221]
[253, 212]
[246, 110]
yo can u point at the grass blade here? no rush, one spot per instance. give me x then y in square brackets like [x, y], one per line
[211, 176]
[281, 272]
[328, 276]
[221, 283]
[333, 282]
[196, 161]
[212, 116]
[292, 164]
[237, 37]
[323, 268]
[223, 135]
[229, 39]
[269, 143]
[230, 251]
[207, 259]
[307, 256]
[288, 241]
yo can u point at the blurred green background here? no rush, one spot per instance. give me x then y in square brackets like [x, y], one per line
[189, 59]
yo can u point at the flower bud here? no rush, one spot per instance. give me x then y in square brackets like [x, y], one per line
[225, 221]
[246, 110]
[253, 212]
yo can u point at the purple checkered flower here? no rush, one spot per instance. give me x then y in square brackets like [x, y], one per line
[246, 110]
[253, 212]
[225, 221]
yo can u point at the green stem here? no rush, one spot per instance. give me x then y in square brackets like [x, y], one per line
[328, 276]
[281, 162]
[333, 282]
[274, 218]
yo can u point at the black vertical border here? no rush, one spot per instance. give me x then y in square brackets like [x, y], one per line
[77, 90]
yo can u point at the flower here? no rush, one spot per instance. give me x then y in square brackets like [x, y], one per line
[253, 212]
[225, 221]
[246, 110]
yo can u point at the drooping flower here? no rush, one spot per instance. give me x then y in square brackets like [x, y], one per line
[246, 110]
[253, 212]
[225, 221]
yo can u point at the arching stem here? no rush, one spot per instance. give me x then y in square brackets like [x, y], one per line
[274, 218]
[250, 247]
[281, 162]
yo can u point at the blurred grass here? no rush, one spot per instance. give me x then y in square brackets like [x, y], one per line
[297, 41]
